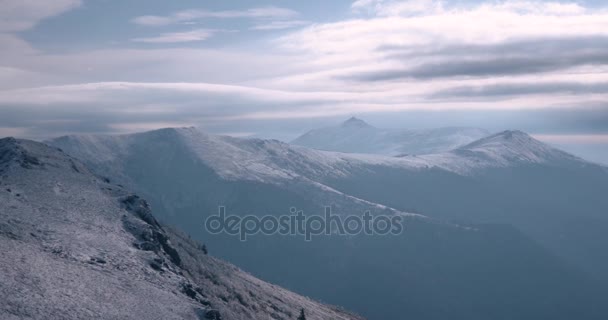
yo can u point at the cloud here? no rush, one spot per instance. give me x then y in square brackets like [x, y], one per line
[118, 106]
[574, 138]
[192, 15]
[510, 57]
[414, 7]
[19, 15]
[396, 8]
[125, 107]
[22, 15]
[391, 60]
[518, 89]
[501, 65]
[358, 39]
[178, 37]
[279, 25]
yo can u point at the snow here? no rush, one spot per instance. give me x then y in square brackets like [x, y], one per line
[505, 149]
[272, 161]
[276, 162]
[308, 171]
[67, 252]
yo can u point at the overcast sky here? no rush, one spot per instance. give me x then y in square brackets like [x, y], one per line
[278, 68]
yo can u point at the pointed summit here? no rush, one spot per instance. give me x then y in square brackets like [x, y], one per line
[357, 136]
[355, 122]
[513, 135]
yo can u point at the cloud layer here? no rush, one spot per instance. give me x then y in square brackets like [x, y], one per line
[530, 59]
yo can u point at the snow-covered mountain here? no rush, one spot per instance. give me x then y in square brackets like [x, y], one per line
[75, 246]
[356, 136]
[502, 150]
[272, 162]
[187, 174]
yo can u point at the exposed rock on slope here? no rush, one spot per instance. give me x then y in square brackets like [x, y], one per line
[76, 247]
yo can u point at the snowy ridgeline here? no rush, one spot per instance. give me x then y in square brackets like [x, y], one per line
[75, 246]
[272, 161]
[508, 179]
[305, 171]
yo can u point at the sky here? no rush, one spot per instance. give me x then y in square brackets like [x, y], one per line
[276, 69]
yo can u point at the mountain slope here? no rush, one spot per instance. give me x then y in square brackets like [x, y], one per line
[356, 136]
[75, 246]
[554, 197]
[434, 270]
[501, 150]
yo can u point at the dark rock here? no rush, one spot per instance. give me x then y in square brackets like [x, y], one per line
[213, 315]
[73, 166]
[156, 266]
[147, 246]
[169, 250]
[140, 207]
[98, 260]
[152, 235]
[29, 161]
[188, 290]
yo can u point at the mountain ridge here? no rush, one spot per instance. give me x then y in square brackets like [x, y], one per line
[242, 151]
[189, 174]
[77, 246]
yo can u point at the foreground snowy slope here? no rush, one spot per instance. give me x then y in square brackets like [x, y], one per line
[356, 136]
[434, 270]
[75, 246]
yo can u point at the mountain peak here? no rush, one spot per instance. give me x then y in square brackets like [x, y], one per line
[355, 122]
[515, 146]
[507, 137]
[14, 151]
[513, 134]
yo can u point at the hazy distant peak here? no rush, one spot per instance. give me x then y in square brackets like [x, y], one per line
[513, 135]
[169, 131]
[357, 136]
[355, 122]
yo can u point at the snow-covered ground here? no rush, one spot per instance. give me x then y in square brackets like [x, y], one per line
[75, 246]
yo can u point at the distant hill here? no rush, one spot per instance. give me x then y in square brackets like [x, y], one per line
[356, 136]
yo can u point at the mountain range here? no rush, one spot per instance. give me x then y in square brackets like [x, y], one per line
[502, 227]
